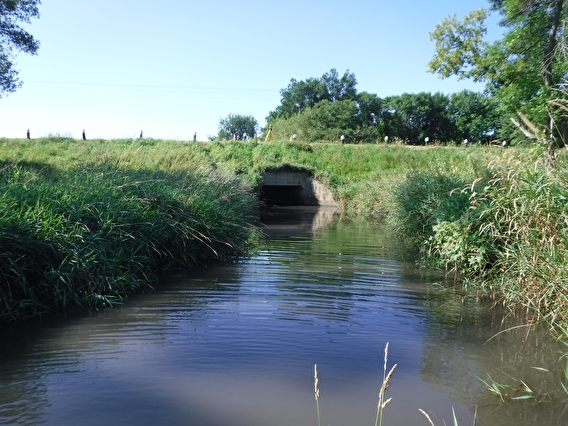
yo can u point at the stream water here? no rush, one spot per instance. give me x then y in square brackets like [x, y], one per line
[235, 344]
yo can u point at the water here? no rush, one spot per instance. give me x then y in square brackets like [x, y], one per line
[236, 344]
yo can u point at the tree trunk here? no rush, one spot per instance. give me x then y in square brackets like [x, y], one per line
[551, 46]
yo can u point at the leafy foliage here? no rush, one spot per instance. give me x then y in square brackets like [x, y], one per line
[301, 95]
[325, 121]
[13, 37]
[474, 116]
[239, 125]
[409, 117]
[522, 68]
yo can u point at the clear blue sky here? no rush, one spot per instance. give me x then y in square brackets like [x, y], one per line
[175, 67]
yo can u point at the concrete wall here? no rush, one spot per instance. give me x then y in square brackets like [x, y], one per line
[287, 186]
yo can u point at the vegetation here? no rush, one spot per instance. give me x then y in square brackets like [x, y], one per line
[13, 37]
[238, 126]
[382, 401]
[85, 231]
[523, 69]
[325, 109]
[496, 216]
[302, 95]
[513, 238]
[508, 390]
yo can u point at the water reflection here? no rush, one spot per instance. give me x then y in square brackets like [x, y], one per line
[236, 343]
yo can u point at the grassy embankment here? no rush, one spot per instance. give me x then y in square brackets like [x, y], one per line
[83, 224]
[80, 218]
[498, 217]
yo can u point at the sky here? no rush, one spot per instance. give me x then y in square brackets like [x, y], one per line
[174, 68]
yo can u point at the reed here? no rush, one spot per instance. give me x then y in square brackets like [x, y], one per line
[90, 235]
[382, 402]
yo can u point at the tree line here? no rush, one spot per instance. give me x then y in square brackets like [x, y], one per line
[327, 108]
[525, 74]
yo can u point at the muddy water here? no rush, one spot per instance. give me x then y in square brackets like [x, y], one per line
[236, 344]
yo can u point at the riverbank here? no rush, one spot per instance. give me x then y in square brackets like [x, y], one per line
[493, 215]
[78, 229]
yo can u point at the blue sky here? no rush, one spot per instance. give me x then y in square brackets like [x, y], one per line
[175, 67]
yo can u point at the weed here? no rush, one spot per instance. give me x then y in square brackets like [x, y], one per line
[382, 402]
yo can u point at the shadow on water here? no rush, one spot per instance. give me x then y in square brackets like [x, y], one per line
[236, 343]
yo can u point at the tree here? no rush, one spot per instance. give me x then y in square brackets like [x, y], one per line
[325, 121]
[370, 117]
[474, 114]
[238, 125]
[415, 117]
[521, 69]
[14, 38]
[300, 95]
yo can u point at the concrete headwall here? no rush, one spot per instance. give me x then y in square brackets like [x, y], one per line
[288, 186]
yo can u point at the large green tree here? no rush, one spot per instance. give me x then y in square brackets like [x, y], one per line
[240, 126]
[300, 95]
[14, 38]
[325, 121]
[523, 68]
[475, 116]
[415, 117]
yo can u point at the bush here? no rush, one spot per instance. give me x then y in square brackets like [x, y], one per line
[425, 199]
[514, 240]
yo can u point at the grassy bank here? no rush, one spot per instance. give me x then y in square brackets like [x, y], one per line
[512, 240]
[504, 231]
[85, 225]
[497, 217]
[99, 212]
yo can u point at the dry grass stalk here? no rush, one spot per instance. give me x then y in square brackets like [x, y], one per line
[427, 416]
[382, 391]
[316, 383]
[317, 391]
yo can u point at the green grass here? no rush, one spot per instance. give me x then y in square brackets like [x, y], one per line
[513, 238]
[84, 226]
[493, 215]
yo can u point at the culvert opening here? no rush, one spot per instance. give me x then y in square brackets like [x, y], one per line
[284, 195]
[288, 186]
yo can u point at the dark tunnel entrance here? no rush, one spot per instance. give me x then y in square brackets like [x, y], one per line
[289, 186]
[284, 195]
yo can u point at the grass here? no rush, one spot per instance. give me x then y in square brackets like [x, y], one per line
[382, 400]
[509, 390]
[495, 216]
[87, 235]
[512, 238]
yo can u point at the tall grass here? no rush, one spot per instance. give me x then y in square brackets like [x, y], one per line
[382, 400]
[485, 212]
[387, 376]
[513, 238]
[90, 235]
